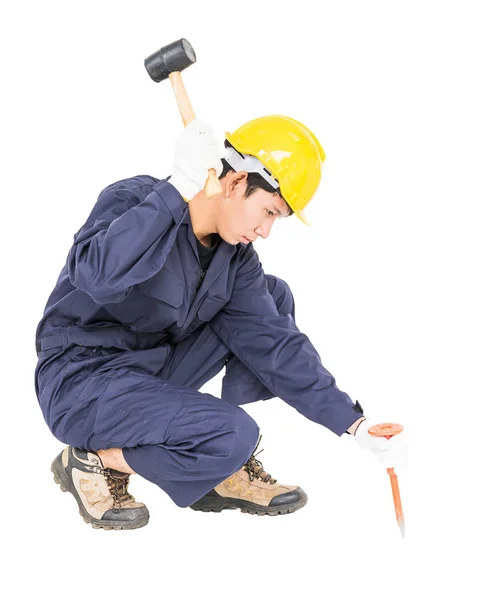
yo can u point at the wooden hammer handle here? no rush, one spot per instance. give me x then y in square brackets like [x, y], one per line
[212, 186]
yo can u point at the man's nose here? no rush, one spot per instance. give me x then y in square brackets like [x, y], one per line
[264, 230]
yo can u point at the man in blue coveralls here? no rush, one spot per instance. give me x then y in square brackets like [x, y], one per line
[161, 289]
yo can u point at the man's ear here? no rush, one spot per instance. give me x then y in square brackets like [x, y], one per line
[235, 180]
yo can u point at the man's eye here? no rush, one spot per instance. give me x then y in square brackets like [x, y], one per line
[269, 212]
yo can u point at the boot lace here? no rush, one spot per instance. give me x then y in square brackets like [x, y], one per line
[118, 486]
[255, 469]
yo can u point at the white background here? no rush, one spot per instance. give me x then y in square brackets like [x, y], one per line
[396, 284]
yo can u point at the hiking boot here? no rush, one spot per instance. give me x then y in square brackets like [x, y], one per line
[253, 491]
[102, 494]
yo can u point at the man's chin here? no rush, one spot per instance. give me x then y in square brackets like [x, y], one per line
[230, 239]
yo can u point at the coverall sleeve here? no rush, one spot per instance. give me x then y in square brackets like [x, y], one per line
[278, 354]
[122, 244]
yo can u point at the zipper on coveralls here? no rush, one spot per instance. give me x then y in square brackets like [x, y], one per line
[202, 277]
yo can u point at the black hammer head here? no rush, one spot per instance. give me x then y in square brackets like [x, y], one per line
[174, 57]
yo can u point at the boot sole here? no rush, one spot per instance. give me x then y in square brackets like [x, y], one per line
[219, 504]
[61, 478]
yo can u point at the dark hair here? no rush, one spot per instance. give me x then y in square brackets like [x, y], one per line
[255, 181]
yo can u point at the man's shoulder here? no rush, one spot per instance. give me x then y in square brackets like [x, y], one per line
[247, 251]
[119, 196]
[134, 183]
[126, 192]
[247, 259]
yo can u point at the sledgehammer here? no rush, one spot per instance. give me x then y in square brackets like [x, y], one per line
[168, 62]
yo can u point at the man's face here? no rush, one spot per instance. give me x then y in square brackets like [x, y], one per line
[245, 219]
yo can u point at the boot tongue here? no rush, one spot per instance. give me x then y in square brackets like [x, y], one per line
[118, 486]
[263, 475]
[255, 466]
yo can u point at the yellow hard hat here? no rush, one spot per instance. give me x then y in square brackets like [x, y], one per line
[289, 150]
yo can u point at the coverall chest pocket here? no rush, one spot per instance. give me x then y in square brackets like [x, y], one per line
[166, 287]
[210, 307]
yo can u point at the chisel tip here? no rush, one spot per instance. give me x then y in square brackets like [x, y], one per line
[402, 528]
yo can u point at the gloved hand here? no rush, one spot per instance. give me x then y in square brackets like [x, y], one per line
[391, 452]
[196, 151]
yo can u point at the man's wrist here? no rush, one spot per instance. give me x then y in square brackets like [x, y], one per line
[353, 428]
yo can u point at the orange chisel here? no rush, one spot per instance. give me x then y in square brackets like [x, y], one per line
[387, 430]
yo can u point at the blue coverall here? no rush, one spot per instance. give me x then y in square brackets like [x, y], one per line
[133, 329]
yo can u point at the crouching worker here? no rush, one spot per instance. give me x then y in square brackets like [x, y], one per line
[162, 288]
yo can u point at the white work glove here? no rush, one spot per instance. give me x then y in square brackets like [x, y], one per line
[391, 452]
[196, 151]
